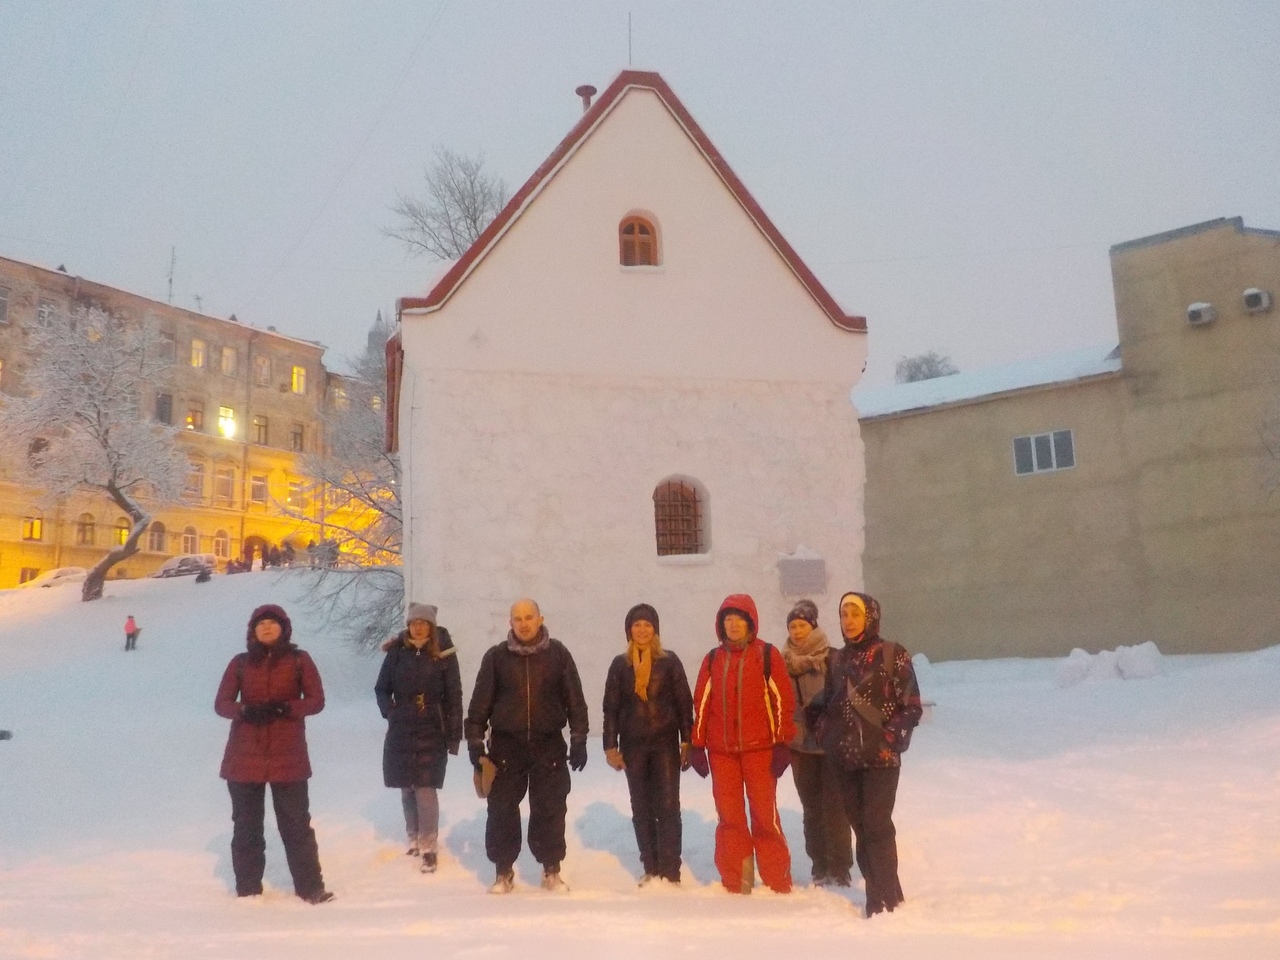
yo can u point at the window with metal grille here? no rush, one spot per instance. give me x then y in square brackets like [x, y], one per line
[637, 243]
[678, 511]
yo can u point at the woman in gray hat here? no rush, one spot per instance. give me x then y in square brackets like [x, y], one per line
[419, 693]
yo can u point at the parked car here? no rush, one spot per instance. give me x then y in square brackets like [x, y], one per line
[187, 564]
[57, 577]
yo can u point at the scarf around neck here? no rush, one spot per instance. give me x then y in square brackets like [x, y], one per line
[516, 645]
[807, 656]
[641, 660]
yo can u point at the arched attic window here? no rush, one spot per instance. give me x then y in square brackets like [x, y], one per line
[637, 243]
[679, 517]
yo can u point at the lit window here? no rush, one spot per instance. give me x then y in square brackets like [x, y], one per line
[221, 545]
[229, 361]
[375, 403]
[195, 481]
[84, 530]
[156, 537]
[195, 415]
[296, 437]
[678, 516]
[297, 496]
[227, 422]
[190, 540]
[262, 371]
[340, 400]
[637, 243]
[260, 430]
[1044, 452]
[224, 484]
[33, 528]
[299, 379]
[28, 573]
[258, 489]
[197, 353]
[122, 531]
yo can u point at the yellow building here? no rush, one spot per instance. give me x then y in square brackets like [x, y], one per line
[1099, 498]
[252, 405]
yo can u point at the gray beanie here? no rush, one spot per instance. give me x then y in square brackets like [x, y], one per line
[421, 611]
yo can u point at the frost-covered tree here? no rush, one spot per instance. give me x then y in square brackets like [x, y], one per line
[360, 590]
[77, 427]
[925, 366]
[461, 199]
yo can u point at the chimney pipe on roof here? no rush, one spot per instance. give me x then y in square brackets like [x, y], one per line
[586, 92]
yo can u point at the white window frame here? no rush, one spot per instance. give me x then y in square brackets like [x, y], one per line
[1053, 466]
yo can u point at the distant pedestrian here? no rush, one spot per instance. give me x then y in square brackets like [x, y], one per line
[267, 693]
[742, 726]
[648, 715]
[419, 692]
[131, 631]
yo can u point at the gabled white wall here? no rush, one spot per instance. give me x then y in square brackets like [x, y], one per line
[547, 398]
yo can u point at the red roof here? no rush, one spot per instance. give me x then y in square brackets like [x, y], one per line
[625, 81]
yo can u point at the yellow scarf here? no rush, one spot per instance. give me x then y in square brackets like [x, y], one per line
[641, 660]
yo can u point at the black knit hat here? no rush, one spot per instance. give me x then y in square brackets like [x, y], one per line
[805, 610]
[642, 611]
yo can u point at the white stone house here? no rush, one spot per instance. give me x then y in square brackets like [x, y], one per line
[630, 388]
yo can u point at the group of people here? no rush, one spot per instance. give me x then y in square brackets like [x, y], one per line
[839, 718]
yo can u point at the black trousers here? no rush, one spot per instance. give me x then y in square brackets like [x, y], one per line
[869, 796]
[653, 779]
[827, 840]
[536, 767]
[248, 844]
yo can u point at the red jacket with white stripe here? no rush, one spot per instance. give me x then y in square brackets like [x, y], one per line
[735, 710]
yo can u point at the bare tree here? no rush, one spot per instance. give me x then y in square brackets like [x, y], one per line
[461, 199]
[360, 588]
[80, 427]
[925, 366]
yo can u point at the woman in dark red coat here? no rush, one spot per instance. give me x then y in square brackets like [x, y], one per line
[266, 693]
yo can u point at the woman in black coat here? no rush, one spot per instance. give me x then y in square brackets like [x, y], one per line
[648, 716]
[419, 692]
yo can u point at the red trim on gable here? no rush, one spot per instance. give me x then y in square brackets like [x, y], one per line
[651, 81]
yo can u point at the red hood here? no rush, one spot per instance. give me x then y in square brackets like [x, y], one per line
[738, 601]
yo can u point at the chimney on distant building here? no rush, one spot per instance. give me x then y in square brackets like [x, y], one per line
[586, 92]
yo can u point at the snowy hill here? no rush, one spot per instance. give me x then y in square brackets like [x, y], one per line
[1037, 818]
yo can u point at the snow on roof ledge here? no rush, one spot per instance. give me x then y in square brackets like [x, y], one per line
[981, 384]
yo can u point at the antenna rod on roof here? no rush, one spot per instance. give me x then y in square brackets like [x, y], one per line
[628, 38]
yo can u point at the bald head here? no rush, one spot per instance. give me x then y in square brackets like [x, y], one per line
[526, 620]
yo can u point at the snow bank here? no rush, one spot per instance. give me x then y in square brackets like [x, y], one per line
[1127, 663]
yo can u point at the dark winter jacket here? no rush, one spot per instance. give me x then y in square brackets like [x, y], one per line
[808, 680]
[275, 751]
[419, 693]
[666, 717]
[736, 710]
[869, 706]
[527, 695]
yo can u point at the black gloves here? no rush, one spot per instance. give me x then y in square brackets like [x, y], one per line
[262, 713]
[475, 750]
[577, 754]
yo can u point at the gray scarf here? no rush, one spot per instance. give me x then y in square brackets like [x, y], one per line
[807, 657]
[516, 645]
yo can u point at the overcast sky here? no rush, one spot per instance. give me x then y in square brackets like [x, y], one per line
[955, 171]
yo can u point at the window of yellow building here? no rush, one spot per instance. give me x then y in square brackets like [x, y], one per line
[84, 530]
[190, 540]
[33, 528]
[195, 482]
[221, 545]
[122, 531]
[224, 483]
[299, 379]
[258, 489]
[156, 538]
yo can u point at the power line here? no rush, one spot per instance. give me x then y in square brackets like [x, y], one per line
[355, 154]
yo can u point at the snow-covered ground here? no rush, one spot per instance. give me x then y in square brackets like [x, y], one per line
[1046, 811]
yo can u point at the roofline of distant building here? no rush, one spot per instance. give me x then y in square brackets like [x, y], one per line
[63, 276]
[1158, 238]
